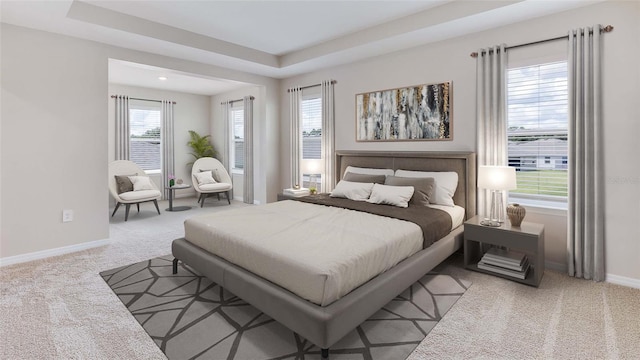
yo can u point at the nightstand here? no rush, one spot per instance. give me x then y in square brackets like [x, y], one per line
[527, 238]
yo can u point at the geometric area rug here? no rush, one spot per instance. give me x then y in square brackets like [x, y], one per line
[190, 317]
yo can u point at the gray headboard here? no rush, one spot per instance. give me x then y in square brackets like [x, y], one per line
[464, 163]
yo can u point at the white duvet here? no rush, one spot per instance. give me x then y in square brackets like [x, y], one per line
[320, 253]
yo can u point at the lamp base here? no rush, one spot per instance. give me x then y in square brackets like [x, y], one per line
[491, 223]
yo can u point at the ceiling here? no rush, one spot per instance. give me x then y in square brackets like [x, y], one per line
[270, 38]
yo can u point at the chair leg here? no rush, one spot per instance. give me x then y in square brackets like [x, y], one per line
[202, 200]
[228, 193]
[155, 202]
[116, 209]
[218, 194]
[126, 214]
[138, 205]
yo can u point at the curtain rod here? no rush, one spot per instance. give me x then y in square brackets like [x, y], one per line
[236, 100]
[333, 82]
[132, 98]
[606, 29]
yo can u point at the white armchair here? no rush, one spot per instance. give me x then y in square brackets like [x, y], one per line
[124, 193]
[204, 186]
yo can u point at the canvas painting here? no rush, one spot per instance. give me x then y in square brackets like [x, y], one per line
[421, 112]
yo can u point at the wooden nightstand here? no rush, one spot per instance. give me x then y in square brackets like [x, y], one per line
[527, 239]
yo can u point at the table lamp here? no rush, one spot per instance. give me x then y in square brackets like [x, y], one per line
[497, 179]
[312, 167]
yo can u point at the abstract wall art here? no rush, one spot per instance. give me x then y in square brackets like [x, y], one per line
[421, 112]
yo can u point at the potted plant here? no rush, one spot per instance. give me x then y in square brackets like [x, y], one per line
[200, 146]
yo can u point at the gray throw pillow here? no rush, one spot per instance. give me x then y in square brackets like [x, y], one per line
[123, 183]
[423, 188]
[364, 178]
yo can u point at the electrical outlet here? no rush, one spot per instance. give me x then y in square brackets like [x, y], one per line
[67, 215]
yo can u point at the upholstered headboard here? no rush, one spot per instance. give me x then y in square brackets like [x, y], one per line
[464, 163]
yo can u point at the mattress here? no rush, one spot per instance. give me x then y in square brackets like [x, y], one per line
[317, 252]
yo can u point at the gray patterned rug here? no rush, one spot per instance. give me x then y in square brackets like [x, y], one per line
[190, 317]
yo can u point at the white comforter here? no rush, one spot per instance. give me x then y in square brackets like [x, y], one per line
[318, 252]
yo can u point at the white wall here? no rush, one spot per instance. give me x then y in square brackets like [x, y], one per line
[54, 141]
[191, 112]
[450, 60]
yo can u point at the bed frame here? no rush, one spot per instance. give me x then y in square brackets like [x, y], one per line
[324, 326]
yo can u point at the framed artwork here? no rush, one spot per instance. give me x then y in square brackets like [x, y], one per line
[421, 112]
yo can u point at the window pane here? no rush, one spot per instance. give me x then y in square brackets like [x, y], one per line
[537, 129]
[237, 151]
[144, 142]
[311, 128]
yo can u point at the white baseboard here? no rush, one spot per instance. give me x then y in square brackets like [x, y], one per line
[622, 280]
[17, 259]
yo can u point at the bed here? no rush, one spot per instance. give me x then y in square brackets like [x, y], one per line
[324, 317]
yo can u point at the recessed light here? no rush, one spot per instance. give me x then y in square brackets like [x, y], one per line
[163, 78]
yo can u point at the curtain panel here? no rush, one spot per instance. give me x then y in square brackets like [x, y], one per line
[295, 145]
[122, 127]
[248, 150]
[328, 136]
[585, 243]
[167, 136]
[491, 80]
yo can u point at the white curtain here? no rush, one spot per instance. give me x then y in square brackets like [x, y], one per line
[585, 242]
[295, 94]
[491, 79]
[122, 127]
[248, 150]
[168, 158]
[328, 136]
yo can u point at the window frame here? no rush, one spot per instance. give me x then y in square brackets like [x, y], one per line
[310, 94]
[232, 140]
[543, 203]
[147, 105]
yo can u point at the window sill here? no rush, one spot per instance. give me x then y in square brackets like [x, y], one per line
[153, 172]
[237, 171]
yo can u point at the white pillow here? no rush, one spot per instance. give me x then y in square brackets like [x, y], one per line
[352, 190]
[141, 183]
[205, 177]
[391, 195]
[368, 171]
[446, 184]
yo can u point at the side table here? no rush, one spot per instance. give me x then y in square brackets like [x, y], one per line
[171, 190]
[528, 238]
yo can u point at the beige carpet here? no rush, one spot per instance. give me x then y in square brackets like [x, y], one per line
[60, 308]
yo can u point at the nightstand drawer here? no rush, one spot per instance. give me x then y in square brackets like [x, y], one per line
[497, 236]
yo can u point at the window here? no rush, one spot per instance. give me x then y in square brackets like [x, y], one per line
[537, 129]
[145, 147]
[311, 126]
[237, 139]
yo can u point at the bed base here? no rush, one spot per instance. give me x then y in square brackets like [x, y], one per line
[322, 326]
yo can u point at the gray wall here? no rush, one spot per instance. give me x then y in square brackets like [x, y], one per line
[450, 60]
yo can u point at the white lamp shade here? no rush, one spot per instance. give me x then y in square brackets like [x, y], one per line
[312, 166]
[497, 177]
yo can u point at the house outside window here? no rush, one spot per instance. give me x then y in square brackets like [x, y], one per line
[537, 132]
[145, 146]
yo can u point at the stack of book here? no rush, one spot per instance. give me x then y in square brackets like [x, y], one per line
[296, 192]
[505, 262]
